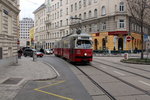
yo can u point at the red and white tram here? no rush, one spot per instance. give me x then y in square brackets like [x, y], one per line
[75, 47]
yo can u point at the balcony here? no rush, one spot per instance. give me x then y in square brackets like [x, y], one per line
[48, 21]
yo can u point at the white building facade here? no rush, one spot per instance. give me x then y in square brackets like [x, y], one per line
[58, 20]
[40, 35]
[25, 25]
[8, 31]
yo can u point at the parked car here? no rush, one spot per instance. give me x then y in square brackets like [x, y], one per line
[47, 51]
[28, 52]
[39, 54]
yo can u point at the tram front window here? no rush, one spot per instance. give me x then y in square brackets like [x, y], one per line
[84, 44]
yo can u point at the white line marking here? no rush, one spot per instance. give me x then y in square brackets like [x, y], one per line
[102, 67]
[144, 83]
[119, 73]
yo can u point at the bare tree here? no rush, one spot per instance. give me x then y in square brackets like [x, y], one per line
[139, 10]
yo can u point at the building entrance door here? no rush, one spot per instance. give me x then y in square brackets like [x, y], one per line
[120, 44]
[95, 44]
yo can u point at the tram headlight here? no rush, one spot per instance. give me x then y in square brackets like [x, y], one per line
[85, 54]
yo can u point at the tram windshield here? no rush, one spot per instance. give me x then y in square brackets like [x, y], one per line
[84, 44]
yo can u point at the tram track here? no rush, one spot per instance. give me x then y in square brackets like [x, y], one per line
[123, 70]
[126, 66]
[140, 89]
[94, 82]
[105, 91]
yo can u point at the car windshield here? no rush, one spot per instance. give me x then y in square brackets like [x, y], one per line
[84, 44]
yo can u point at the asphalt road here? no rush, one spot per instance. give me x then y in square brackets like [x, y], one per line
[65, 87]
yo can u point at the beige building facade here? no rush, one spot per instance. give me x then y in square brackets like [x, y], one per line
[8, 31]
[40, 27]
[109, 22]
[58, 20]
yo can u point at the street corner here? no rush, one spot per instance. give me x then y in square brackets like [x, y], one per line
[45, 71]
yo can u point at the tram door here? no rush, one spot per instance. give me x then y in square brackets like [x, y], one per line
[120, 44]
[95, 44]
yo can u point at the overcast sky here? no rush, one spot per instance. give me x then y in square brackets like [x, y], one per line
[28, 6]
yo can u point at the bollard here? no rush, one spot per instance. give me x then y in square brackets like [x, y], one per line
[34, 56]
[126, 56]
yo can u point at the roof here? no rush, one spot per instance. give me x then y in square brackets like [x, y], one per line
[41, 7]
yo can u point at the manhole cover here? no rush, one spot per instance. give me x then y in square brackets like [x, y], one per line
[12, 81]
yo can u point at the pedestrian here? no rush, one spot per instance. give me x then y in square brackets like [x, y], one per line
[20, 53]
[42, 50]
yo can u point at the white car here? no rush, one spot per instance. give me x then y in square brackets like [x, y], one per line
[47, 51]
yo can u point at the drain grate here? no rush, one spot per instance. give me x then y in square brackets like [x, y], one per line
[12, 81]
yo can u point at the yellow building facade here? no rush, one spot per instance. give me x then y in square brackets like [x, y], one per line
[116, 40]
[31, 31]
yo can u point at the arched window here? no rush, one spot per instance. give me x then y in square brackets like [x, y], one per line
[121, 6]
[95, 13]
[84, 15]
[90, 14]
[80, 16]
[103, 10]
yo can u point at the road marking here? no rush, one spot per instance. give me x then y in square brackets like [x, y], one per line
[59, 96]
[144, 83]
[119, 73]
[62, 97]
[59, 82]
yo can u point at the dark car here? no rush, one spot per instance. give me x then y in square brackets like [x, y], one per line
[28, 52]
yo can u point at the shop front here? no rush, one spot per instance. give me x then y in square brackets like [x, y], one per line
[110, 41]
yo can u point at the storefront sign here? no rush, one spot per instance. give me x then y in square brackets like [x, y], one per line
[104, 34]
[118, 32]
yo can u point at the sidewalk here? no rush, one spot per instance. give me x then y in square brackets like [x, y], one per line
[17, 75]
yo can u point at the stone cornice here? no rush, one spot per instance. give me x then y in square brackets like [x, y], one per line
[9, 5]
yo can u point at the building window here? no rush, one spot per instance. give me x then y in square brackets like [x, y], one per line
[103, 25]
[66, 11]
[90, 14]
[60, 23]
[66, 21]
[75, 6]
[103, 10]
[95, 13]
[80, 4]
[61, 12]
[60, 2]
[84, 15]
[84, 3]
[121, 23]
[90, 2]
[95, 1]
[80, 16]
[121, 6]
[72, 8]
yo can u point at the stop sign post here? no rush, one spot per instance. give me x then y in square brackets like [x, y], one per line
[128, 38]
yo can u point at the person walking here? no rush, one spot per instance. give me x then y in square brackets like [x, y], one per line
[20, 53]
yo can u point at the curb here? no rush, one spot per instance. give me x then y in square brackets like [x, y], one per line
[130, 62]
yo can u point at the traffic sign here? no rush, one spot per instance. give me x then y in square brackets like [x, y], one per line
[128, 38]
